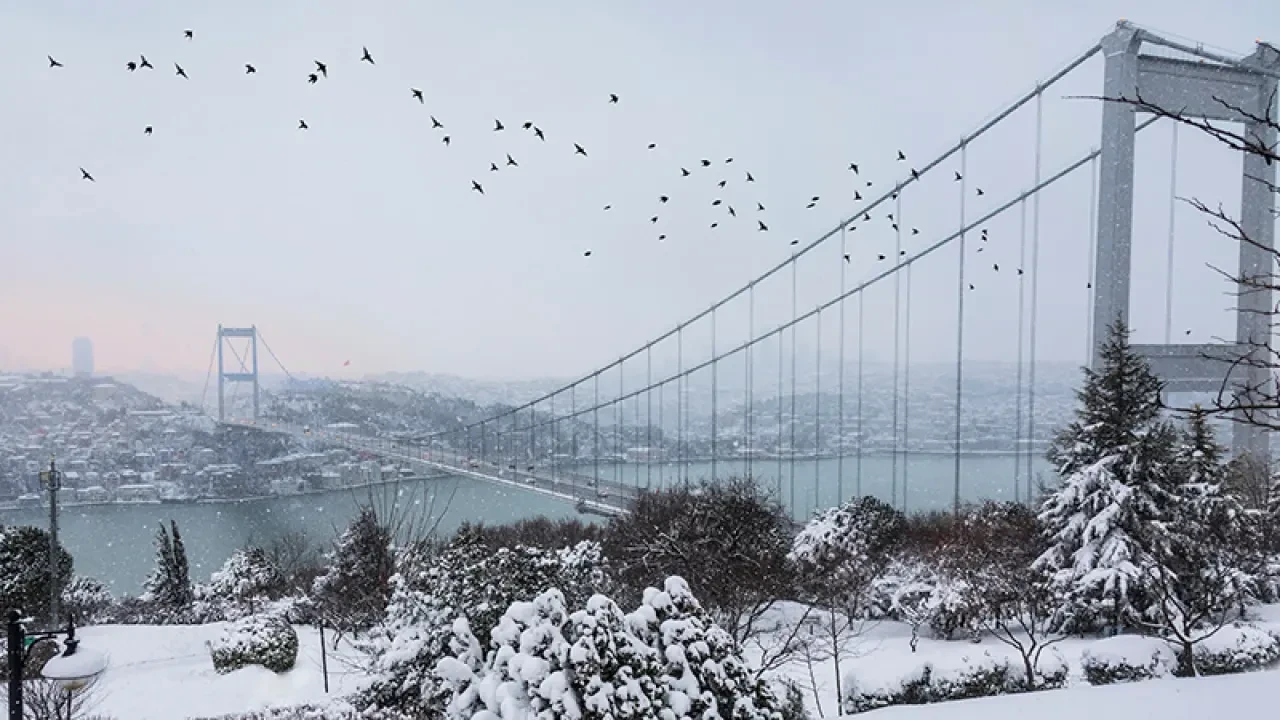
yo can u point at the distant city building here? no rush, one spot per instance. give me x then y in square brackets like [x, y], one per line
[82, 357]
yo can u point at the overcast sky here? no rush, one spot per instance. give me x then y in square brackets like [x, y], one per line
[361, 239]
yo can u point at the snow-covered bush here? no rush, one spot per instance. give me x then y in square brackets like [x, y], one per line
[793, 707]
[1105, 666]
[246, 582]
[1235, 649]
[266, 640]
[334, 710]
[87, 600]
[934, 682]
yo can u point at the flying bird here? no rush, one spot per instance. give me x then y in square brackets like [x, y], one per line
[436, 123]
[749, 178]
[131, 65]
[84, 174]
[654, 219]
[249, 69]
[537, 131]
[527, 125]
[493, 167]
[302, 125]
[146, 130]
[901, 157]
[586, 254]
[857, 195]
[497, 125]
[980, 193]
[970, 286]
[759, 207]
[715, 225]
[761, 227]
[653, 145]
[728, 160]
[321, 68]
[915, 231]
[188, 33]
[445, 139]
[577, 150]
[995, 266]
[811, 205]
[662, 238]
[914, 175]
[313, 78]
[613, 98]
[854, 168]
[512, 161]
[608, 207]
[732, 212]
[882, 257]
[715, 202]
[684, 172]
[706, 163]
[144, 64]
[53, 63]
[722, 183]
[180, 72]
[477, 187]
[366, 57]
[417, 94]
[663, 198]
[958, 176]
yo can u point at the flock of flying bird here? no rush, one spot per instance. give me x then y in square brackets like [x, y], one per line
[321, 71]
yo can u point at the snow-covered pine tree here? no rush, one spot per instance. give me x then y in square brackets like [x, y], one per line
[1102, 523]
[703, 674]
[525, 676]
[1210, 558]
[353, 592]
[246, 582]
[614, 675]
[840, 552]
[168, 589]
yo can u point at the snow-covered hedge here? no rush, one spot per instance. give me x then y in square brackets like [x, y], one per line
[1235, 649]
[266, 640]
[934, 682]
[87, 600]
[336, 710]
[1126, 659]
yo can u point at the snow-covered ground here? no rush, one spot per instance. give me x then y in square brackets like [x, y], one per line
[164, 673]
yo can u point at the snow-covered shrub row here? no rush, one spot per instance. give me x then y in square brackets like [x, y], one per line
[666, 660]
[87, 600]
[267, 640]
[334, 710]
[1103, 667]
[1237, 648]
[934, 682]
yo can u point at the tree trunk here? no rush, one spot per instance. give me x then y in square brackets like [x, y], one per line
[1187, 660]
[1031, 671]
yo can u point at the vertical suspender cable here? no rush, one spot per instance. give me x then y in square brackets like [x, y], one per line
[1093, 258]
[680, 467]
[635, 428]
[955, 499]
[781, 365]
[817, 416]
[906, 377]
[795, 313]
[617, 427]
[573, 434]
[715, 391]
[748, 434]
[840, 379]
[1017, 405]
[595, 435]
[1173, 200]
[648, 420]
[897, 346]
[858, 466]
[1035, 296]
[662, 434]
[555, 438]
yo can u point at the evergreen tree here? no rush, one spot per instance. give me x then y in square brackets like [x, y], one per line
[24, 570]
[1210, 556]
[353, 592]
[614, 674]
[1105, 520]
[246, 581]
[168, 588]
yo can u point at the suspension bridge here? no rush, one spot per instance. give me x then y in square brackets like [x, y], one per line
[727, 390]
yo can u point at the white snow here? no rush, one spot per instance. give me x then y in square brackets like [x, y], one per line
[1249, 695]
[165, 673]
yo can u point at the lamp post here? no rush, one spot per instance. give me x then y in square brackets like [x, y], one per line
[72, 669]
[52, 479]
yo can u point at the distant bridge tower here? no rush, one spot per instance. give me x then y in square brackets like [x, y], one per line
[247, 370]
[1200, 90]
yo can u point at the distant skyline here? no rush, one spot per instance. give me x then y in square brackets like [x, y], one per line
[360, 239]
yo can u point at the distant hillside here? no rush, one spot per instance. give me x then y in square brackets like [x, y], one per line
[480, 392]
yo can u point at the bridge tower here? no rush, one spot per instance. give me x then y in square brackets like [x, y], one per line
[1199, 90]
[247, 368]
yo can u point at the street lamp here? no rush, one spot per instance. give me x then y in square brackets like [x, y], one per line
[73, 669]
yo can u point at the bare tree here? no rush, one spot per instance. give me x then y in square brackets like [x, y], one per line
[1253, 401]
[44, 699]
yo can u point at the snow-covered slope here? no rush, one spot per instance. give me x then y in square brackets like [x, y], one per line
[1250, 695]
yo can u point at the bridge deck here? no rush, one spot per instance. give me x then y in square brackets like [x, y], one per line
[600, 497]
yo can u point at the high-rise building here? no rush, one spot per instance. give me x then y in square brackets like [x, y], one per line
[82, 357]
